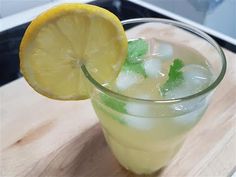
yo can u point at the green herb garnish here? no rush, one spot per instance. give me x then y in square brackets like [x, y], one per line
[136, 49]
[108, 112]
[135, 67]
[113, 103]
[175, 76]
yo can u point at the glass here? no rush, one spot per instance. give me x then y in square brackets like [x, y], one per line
[145, 141]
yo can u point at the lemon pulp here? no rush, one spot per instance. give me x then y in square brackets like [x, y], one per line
[58, 41]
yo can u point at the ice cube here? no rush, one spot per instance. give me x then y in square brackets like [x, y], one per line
[196, 75]
[134, 67]
[136, 118]
[189, 105]
[191, 118]
[196, 78]
[152, 67]
[140, 109]
[137, 109]
[165, 50]
[127, 78]
[141, 114]
[140, 123]
[188, 119]
[179, 91]
[159, 48]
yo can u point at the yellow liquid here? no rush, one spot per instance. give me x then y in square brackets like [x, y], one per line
[143, 144]
[146, 139]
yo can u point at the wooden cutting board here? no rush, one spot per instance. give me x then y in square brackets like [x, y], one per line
[41, 137]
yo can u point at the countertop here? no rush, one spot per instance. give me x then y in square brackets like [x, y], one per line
[41, 137]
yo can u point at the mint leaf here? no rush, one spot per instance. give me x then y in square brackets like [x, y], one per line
[135, 67]
[136, 49]
[106, 100]
[113, 103]
[175, 76]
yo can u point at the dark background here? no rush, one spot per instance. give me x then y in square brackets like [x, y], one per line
[10, 39]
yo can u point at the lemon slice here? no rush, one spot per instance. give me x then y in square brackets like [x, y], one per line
[60, 40]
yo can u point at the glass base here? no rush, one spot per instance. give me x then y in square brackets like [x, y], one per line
[152, 174]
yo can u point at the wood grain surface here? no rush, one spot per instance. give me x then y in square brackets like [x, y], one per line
[41, 137]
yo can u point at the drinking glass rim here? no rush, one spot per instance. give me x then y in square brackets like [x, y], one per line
[172, 100]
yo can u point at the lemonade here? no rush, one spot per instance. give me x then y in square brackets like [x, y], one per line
[144, 137]
[148, 93]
